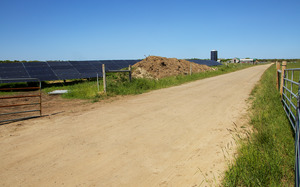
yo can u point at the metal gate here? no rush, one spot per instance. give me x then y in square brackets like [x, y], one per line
[290, 92]
[21, 106]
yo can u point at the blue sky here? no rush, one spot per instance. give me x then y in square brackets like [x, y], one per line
[131, 29]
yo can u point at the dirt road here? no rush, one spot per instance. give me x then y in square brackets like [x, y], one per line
[170, 137]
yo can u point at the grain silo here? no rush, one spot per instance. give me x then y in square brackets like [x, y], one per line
[214, 55]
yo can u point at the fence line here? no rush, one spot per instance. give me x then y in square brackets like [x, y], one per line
[15, 107]
[290, 97]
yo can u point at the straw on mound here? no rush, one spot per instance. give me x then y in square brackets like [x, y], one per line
[158, 67]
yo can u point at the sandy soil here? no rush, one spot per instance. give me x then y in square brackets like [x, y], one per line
[170, 137]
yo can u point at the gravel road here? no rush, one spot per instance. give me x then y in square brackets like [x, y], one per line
[176, 136]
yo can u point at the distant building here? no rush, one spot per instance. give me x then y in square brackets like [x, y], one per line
[246, 60]
[243, 60]
[234, 60]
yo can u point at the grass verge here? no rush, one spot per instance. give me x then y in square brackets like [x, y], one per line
[118, 84]
[266, 156]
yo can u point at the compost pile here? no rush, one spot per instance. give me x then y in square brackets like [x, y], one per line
[155, 67]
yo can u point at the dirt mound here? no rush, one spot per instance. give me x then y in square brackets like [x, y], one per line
[158, 67]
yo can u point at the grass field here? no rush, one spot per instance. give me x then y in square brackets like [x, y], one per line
[266, 156]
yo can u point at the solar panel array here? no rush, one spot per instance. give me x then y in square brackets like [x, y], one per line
[59, 70]
[63, 70]
[206, 62]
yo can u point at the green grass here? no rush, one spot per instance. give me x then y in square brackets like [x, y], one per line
[118, 84]
[266, 156]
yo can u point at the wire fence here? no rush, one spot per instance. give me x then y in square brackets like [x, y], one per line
[289, 87]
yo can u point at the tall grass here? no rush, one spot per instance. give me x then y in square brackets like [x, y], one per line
[266, 156]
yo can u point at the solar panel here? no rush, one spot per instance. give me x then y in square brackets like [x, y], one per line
[64, 70]
[58, 63]
[126, 64]
[66, 76]
[84, 67]
[87, 69]
[109, 65]
[129, 62]
[97, 65]
[10, 65]
[132, 62]
[14, 74]
[121, 63]
[13, 70]
[205, 62]
[91, 75]
[40, 70]
[35, 64]
[60, 70]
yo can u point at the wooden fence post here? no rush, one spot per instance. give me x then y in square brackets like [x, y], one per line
[129, 68]
[282, 76]
[104, 78]
[98, 82]
[190, 68]
[277, 74]
[40, 92]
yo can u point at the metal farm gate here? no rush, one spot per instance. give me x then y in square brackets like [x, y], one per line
[20, 106]
[288, 82]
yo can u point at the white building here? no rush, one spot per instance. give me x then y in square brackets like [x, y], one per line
[234, 60]
[246, 60]
[242, 60]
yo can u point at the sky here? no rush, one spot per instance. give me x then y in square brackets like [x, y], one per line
[133, 29]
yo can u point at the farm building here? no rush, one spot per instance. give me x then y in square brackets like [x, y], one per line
[234, 60]
[242, 60]
[247, 60]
